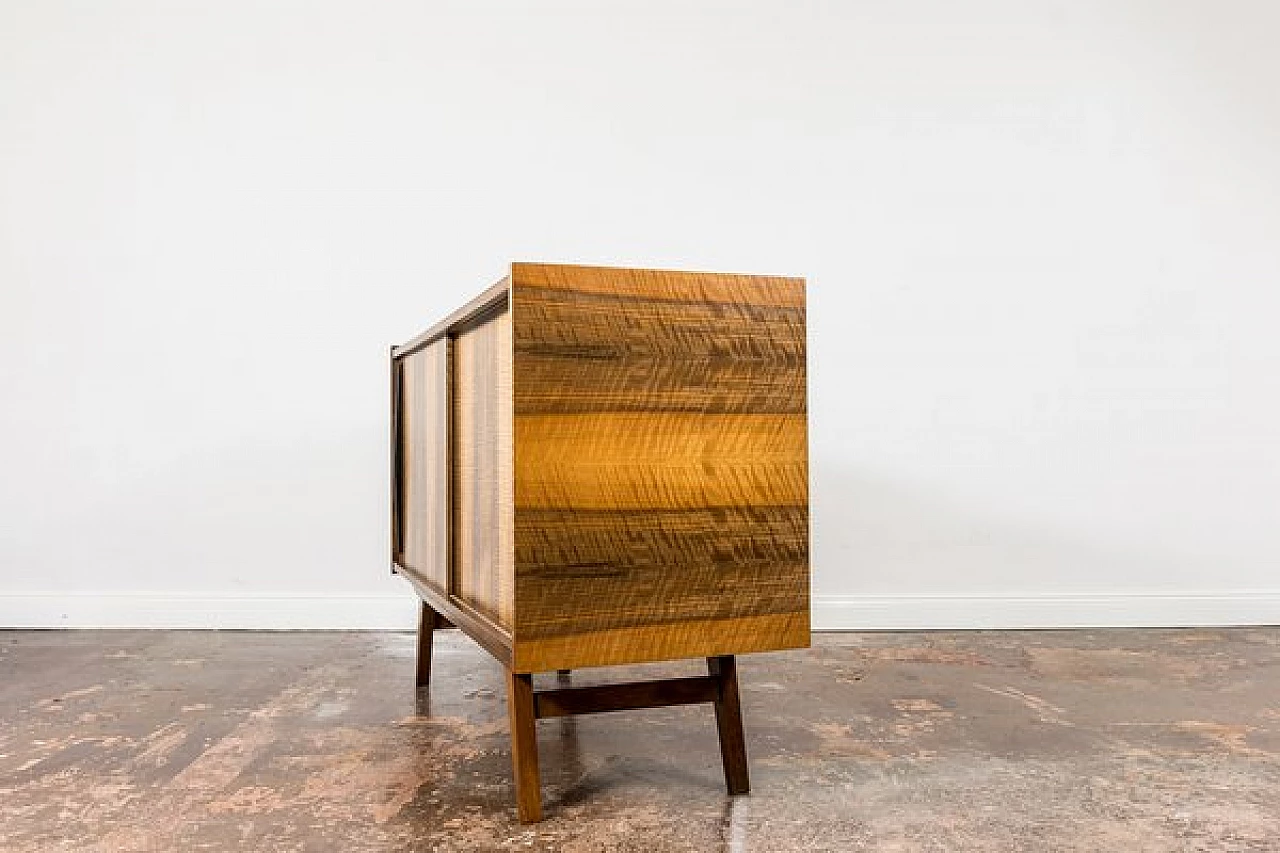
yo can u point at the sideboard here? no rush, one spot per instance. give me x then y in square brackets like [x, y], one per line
[595, 466]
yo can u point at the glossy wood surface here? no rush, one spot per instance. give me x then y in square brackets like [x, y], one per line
[524, 746]
[423, 504]
[428, 622]
[631, 696]
[492, 297]
[458, 614]
[661, 465]
[626, 465]
[483, 549]
[733, 743]
[598, 466]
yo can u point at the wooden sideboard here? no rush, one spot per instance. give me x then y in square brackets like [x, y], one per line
[596, 466]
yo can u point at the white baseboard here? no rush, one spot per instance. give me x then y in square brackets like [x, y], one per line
[1050, 610]
[830, 612]
[249, 611]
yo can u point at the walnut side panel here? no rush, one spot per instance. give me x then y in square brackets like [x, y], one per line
[661, 465]
[423, 509]
[483, 559]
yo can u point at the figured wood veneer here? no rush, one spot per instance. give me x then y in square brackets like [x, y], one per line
[661, 465]
[596, 466]
[606, 466]
[483, 554]
[423, 456]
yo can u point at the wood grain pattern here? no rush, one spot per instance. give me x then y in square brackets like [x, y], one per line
[661, 465]
[598, 466]
[484, 303]
[628, 465]
[628, 353]
[524, 746]
[483, 551]
[423, 508]
[675, 285]
[496, 641]
[630, 696]
[658, 566]
[428, 622]
[733, 743]
[634, 460]
[663, 641]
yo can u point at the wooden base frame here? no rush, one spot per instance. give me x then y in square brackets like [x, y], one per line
[428, 621]
[526, 706]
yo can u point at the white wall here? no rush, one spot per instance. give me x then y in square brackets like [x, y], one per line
[1042, 240]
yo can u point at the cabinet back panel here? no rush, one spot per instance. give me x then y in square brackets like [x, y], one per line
[661, 465]
[424, 463]
[484, 547]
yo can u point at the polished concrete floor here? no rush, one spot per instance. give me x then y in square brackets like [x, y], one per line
[997, 741]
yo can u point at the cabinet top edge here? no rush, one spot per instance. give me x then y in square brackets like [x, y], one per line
[662, 285]
[786, 290]
[496, 294]
[524, 269]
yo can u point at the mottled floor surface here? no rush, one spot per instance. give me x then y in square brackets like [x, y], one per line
[998, 741]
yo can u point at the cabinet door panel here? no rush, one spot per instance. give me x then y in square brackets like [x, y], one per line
[424, 464]
[484, 544]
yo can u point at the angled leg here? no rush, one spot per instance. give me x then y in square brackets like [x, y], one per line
[428, 621]
[524, 746]
[733, 745]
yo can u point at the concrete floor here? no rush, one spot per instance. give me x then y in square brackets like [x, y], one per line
[998, 741]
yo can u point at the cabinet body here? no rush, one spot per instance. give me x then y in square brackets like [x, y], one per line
[598, 466]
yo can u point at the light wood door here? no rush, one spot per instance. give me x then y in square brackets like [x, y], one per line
[423, 508]
[484, 544]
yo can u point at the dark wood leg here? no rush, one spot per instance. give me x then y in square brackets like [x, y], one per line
[733, 745]
[524, 746]
[428, 621]
[719, 686]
